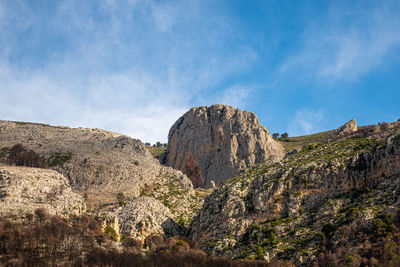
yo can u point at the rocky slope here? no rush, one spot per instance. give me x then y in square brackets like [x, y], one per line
[215, 143]
[108, 169]
[320, 197]
[24, 190]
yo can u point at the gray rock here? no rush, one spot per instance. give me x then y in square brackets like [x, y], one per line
[145, 216]
[348, 127]
[109, 169]
[23, 190]
[98, 163]
[217, 142]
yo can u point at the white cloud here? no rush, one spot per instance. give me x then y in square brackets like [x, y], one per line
[133, 108]
[351, 42]
[306, 121]
[133, 71]
[235, 96]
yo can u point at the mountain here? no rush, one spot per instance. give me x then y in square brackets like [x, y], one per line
[337, 199]
[213, 144]
[109, 170]
[90, 197]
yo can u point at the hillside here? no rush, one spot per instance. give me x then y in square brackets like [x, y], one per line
[109, 170]
[332, 200]
[294, 142]
[312, 206]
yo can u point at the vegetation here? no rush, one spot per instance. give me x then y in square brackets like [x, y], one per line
[47, 240]
[156, 151]
[59, 158]
[109, 231]
[285, 135]
[300, 141]
[20, 156]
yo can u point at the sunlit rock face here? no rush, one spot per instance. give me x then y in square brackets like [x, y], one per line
[215, 143]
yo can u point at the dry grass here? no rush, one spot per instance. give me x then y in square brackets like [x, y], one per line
[291, 143]
[156, 151]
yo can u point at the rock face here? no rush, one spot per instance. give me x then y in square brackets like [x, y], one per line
[145, 216]
[23, 190]
[215, 143]
[304, 200]
[348, 127]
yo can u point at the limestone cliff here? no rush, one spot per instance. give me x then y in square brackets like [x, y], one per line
[215, 143]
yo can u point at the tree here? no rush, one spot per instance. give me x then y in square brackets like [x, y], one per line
[275, 135]
[285, 135]
[165, 145]
[158, 144]
[147, 144]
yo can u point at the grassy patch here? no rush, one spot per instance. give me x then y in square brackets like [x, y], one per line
[4, 151]
[59, 158]
[291, 143]
[156, 151]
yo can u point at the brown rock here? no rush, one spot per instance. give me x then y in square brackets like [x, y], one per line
[217, 142]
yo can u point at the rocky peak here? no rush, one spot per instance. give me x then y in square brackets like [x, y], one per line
[348, 127]
[217, 142]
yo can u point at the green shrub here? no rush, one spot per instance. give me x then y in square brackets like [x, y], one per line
[328, 230]
[181, 222]
[59, 158]
[383, 224]
[285, 135]
[123, 237]
[109, 231]
[348, 261]
[260, 253]
[4, 151]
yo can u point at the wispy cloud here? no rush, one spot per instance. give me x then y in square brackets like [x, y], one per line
[306, 121]
[132, 67]
[351, 41]
[235, 96]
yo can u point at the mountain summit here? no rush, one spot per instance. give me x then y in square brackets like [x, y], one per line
[215, 143]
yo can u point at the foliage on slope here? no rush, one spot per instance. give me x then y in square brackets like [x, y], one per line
[312, 206]
[54, 241]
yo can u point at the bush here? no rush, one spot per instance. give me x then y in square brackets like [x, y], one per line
[20, 156]
[59, 158]
[109, 231]
[285, 135]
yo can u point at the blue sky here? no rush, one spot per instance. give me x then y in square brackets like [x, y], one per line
[136, 66]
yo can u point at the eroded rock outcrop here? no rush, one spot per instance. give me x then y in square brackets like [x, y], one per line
[23, 190]
[347, 128]
[145, 216]
[215, 143]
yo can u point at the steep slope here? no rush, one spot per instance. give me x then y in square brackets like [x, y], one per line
[109, 169]
[24, 190]
[313, 201]
[215, 143]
